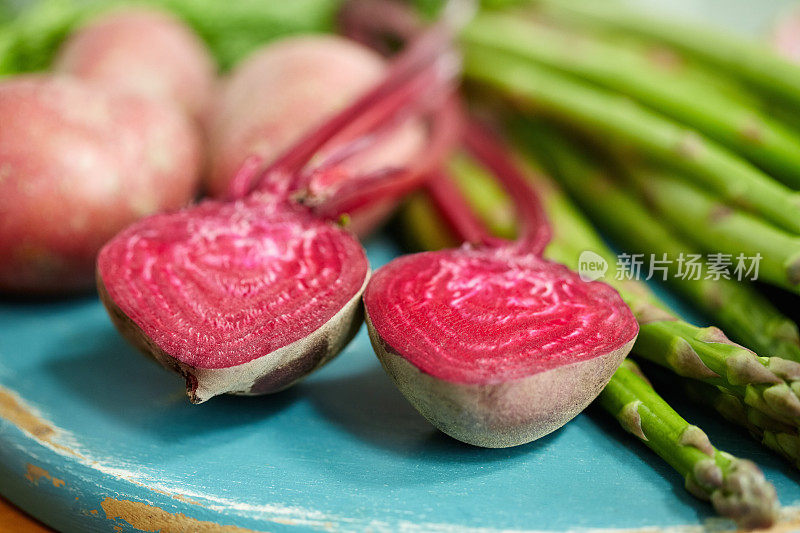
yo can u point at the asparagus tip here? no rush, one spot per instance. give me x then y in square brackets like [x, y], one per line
[784, 368]
[783, 399]
[744, 368]
[746, 496]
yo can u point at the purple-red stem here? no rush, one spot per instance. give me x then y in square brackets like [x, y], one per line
[420, 92]
[535, 230]
[428, 57]
[452, 205]
[358, 191]
[243, 180]
[360, 20]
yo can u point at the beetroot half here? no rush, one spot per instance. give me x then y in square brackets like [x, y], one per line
[242, 297]
[494, 345]
[249, 296]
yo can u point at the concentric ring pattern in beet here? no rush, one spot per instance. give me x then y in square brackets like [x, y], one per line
[221, 284]
[490, 316]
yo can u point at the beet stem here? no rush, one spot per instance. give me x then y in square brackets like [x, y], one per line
[430, 54]
[453, 206]
[358, 21]
[395, 182]
[535, 230]
[248, 172]
[425, 92]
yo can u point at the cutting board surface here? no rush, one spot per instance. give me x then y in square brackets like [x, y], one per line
[93, 437]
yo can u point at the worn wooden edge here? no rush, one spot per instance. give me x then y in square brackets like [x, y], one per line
[44, 471]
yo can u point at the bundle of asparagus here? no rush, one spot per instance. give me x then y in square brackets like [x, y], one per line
[698, 152]
[585, 179]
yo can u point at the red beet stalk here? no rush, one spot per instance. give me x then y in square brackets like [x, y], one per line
[446, 198]
[250, 296]
[492, 344]
[418, 80]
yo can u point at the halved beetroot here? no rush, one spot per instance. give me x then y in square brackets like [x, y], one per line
[494, 345]
[244, 297]
[493, 348]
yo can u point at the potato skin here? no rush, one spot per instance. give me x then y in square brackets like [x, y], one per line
[284, 90]
[145, 52]
[77, 164]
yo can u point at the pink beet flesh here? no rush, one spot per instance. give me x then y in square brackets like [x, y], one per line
[486, 316]
[222, 284]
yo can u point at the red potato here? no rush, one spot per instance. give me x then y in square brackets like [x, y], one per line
[77, 164]
[286, 89]
[145, 52]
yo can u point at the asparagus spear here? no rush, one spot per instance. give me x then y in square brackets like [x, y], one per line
[768, 384]
[771, 385]
[618, 120]
[736, 307]
[779, 437]
[730, 121]
[720, 228]
[735, 487]
[752, 62]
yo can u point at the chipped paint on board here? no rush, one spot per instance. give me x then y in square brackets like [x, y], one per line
[28, 420]
[155, 519]
[13, 409]
[35, 473]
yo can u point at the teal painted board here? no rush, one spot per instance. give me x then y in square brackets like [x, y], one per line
[94, 436]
